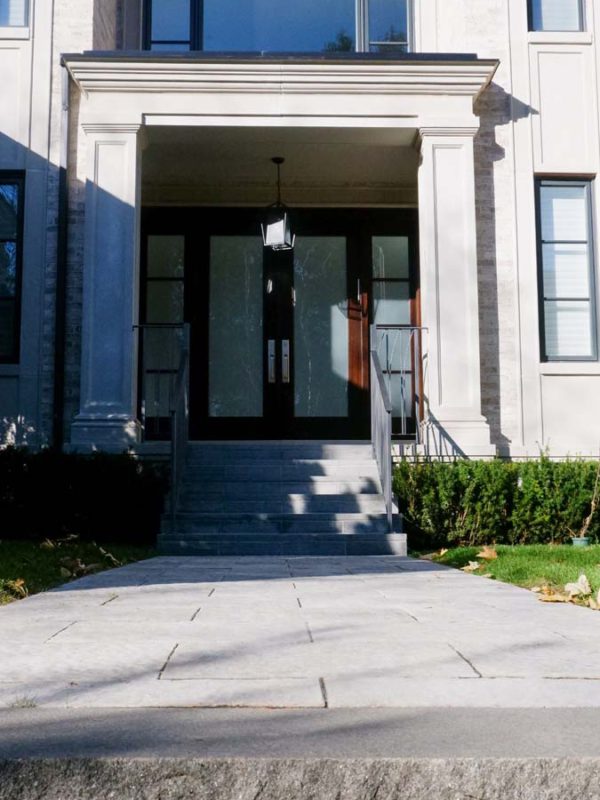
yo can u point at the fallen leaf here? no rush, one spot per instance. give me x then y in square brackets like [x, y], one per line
[555, 597]
[47, 545]
[443, 551]
[581, 588]
[488, 553]
[536, 589]
[18, 587]
[109, 556]
[472, 566]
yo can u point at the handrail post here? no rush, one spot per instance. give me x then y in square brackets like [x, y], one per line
[381, 427]
[179, 421]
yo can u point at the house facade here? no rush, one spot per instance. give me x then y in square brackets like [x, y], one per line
[440, 164]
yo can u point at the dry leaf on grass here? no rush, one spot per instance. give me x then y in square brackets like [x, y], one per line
[472, 566]
[47, 544]
[488, 553]
[581, 588]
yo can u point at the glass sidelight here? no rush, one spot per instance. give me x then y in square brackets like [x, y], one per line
[235, 338]
[320, 327]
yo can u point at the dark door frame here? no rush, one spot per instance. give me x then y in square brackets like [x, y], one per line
[358, 225]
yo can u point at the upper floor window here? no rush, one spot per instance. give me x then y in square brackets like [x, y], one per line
[556, 15]
[256, 26]
[11, 235]
[13, 13]
[566, 268]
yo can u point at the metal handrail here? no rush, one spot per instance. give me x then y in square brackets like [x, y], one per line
[381, 427]
[406, 342]
[180, 421]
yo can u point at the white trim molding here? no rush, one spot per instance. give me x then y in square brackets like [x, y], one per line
[97, 73]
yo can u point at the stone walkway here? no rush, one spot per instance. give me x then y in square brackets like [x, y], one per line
[296, 633]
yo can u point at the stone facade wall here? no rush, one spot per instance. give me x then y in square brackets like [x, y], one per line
[73, 31]
[107, 24]
[487, 34]
[481, 28]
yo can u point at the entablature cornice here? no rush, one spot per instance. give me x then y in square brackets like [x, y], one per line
[94, 74]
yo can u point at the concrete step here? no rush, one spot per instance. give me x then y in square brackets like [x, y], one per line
[281, 471]
[244, 523]
[373, 544]
[228, 452]
[317, 485]
[278, 503]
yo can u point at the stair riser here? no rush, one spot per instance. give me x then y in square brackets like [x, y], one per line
[289, 472]
[299, 524]
[257, 490]
[237, 453]
[366, 504]
[322, 545]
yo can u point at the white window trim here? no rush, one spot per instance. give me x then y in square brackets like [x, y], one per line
[560, 37]
[15, 32]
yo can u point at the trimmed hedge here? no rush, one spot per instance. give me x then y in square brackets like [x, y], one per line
[479, 502]
[100, 497]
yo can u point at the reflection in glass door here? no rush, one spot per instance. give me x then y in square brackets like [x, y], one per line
[279, 340]
[235, 338]
[320, 327]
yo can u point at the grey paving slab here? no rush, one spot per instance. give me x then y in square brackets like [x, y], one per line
[300, 733]
[277, 632]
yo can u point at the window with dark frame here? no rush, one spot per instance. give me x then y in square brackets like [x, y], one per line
[382, 26]
[566, 271]
[556, 15]
[11, 245]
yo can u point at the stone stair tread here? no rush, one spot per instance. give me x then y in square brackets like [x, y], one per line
[268, 498]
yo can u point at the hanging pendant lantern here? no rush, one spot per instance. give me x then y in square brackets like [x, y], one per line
[276, 229]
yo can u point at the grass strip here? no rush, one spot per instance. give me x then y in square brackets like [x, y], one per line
[28, 567]
[531, 565]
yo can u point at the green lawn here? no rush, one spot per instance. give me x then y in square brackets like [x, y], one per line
[31, 567]
[532, 565]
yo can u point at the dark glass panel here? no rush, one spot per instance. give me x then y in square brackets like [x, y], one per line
[270, 25]
[9, 205]
[170, 20]
[388, 24]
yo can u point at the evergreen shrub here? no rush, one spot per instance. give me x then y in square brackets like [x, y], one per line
[101, 497]
[451, 503]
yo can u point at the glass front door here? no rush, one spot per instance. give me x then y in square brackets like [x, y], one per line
[278, 337]
[280, 340]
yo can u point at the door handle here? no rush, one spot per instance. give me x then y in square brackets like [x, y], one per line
[271, 360]
[285, 360]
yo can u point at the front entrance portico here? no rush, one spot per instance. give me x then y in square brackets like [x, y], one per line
[431, 99]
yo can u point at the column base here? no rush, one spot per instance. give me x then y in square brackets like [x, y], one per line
[111, 435]
[457, 438]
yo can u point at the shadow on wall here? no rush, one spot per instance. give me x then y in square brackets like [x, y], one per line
[40, 393]
[495, 108]
[26, 383]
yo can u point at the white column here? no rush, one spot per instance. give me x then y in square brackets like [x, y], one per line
[107, 418]
[449, 296]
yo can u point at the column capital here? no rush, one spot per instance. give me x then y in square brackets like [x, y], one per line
[446, 132]
[117, 128]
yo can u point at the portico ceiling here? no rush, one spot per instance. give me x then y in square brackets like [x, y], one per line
[232, 165]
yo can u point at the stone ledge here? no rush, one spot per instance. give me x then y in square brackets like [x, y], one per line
[300, 779]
